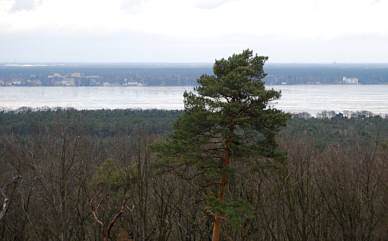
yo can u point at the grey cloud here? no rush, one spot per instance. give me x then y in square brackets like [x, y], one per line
[27, 5]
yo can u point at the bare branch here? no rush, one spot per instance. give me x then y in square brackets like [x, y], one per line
[123, 204]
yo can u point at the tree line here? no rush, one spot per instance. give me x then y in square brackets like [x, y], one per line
[106, 124]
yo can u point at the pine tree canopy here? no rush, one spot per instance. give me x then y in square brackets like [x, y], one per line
[228, 118]
[228, 110]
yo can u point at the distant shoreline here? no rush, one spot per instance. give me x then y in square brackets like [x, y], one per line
[162, 74]
[172, 86]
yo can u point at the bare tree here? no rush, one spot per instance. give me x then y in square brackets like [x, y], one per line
[106, 228]
[7, 197]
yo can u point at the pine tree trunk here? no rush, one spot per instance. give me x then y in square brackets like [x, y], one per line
[218, 218]
[224, 180]
[217, 228]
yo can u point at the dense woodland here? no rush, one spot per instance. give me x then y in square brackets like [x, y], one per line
[80, 175]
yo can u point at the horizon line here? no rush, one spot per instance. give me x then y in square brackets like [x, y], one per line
[180, 63]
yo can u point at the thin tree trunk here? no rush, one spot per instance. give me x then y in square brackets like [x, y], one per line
[217, 228]
[224, 180]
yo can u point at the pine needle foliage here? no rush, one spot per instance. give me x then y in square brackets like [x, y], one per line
[228, 118]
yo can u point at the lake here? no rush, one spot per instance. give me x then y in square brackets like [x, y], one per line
[295, 98]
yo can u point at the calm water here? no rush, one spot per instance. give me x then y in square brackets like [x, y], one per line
[295, 98]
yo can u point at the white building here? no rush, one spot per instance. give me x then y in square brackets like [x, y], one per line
[351, 80]
[132, 83]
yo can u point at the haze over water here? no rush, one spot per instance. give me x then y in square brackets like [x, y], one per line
[295, 98]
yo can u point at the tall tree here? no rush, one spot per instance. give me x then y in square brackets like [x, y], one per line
[228, 118]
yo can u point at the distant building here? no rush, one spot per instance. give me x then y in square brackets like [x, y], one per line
[351, 80]
[132, 83]
[34, 82]
[77, 75]
[55, 75]
[66, 82]
[93, 82]
[16, 82]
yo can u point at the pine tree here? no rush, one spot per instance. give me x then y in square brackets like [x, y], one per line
[227, 118]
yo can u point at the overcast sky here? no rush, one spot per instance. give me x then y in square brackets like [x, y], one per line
[308, 31]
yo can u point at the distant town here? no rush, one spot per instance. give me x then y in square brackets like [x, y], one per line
[181, 75]
[67, 79]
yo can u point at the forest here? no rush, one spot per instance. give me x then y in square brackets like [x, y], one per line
[227, 167]
[76, 175]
